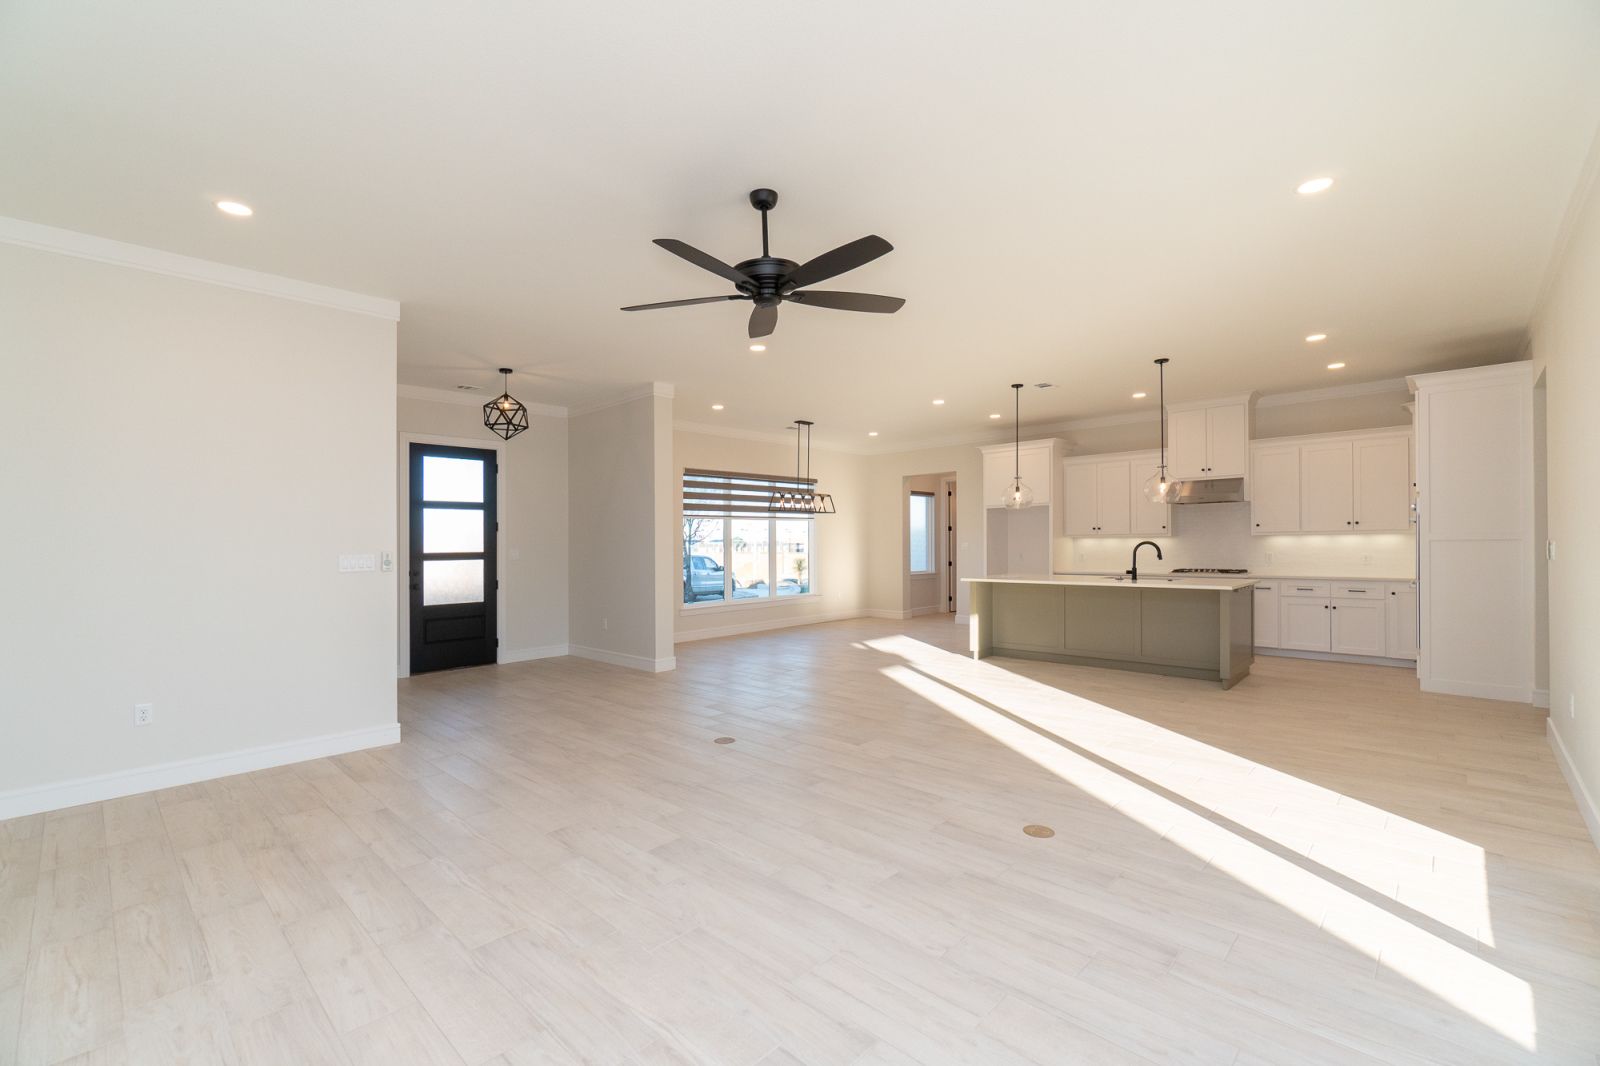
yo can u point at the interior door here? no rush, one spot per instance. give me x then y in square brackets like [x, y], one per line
[950, 547]
[453, 573]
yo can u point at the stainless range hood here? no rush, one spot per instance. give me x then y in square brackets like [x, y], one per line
[1214, 490]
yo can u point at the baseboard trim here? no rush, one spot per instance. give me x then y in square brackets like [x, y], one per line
[918, 612]
[962, 619]
[1541, 698]
[877, 612]
[617, 658]
[522, 655]
[1569, 770]
[1479, 690]
[684, 637]
[1330, 657]
[54, 797]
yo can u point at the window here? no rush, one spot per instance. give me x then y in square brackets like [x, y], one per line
[733, 550]
[921, 556]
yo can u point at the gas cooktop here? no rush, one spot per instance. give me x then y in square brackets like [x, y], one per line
[1209, 570]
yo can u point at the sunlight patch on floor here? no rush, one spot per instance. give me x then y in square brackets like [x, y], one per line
[1170, 761]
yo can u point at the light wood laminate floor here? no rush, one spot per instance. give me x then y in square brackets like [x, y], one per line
[557, 864]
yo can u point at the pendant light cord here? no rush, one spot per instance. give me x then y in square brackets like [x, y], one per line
[1016, 436]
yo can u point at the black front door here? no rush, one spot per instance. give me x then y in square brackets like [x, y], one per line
[453, 573]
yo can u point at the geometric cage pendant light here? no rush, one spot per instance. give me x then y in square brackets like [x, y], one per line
[1159, 488]
[1017, 494]
[800, 497]
[505, 414]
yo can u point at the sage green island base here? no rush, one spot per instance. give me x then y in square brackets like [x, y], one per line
[1201, 628]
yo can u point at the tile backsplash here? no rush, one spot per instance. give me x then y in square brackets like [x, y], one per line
[1218, 534]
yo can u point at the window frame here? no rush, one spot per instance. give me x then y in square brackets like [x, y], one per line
[929, 500]
[728, 602]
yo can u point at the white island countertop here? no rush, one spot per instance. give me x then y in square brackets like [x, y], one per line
[1211, 583]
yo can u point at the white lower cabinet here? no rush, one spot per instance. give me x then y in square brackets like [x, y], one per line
[1266, 614]
[1358, 626]
[1401, 639]
[1305, 623]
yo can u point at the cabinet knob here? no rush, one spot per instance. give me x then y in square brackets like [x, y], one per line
[1358, 521]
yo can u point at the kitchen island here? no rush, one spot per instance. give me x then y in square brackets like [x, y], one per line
[1184, 627]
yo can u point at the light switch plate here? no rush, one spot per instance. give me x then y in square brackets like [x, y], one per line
[350, 564]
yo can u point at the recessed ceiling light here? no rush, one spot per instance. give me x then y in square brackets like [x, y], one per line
[234, 208]
[758, 347]
[1316, 338]
[938, 403]
[872, 433]
[716, 407]
[1140, 395]
[1314, 186]
[995, 415]
[1335, 366]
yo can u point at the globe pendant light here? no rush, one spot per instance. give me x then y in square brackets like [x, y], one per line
[1160, 488]
[505, 414]
[1017, 495]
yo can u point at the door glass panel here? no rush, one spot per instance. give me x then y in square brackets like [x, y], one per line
[750, 559]
[450, 529]
[452, 581]
[451, 480]
[702, 559]
[794, 556]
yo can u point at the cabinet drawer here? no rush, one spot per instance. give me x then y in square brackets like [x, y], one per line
[1305, 589]
[1357, 590]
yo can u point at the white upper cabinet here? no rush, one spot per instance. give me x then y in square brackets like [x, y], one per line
[1342, 483]
[1275, 489]
[1210, 439]
[1102, 496]
[1147, 519]
[1383, 484]
[1327, 488]
[1080, 503]
[1036, 461]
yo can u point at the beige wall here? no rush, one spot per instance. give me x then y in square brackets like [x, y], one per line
[183, 466]
[615, 547]
[838, 539]
[533, 521]
[886, 589]
[1566, 350]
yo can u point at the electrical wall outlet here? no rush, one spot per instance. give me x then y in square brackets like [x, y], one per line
[143, 713]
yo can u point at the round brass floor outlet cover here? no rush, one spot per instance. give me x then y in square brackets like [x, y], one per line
[1038, 830]
[723, 740]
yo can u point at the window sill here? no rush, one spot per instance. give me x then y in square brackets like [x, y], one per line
[719, 606]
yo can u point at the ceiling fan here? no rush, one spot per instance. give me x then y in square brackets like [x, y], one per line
[770, 281]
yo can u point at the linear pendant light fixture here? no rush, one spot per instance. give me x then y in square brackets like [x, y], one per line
[505, 414]
[801, 497]
[1160, 488]
[1017, 495]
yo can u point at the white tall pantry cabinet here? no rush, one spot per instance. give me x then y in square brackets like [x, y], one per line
[1475, 530]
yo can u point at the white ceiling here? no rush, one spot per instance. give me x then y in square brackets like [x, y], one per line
[1073, 188]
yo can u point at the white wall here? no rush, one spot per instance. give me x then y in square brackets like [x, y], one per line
[617, 544]
[1566, 349]
[183, 465]
[533, 519]
[838, 539]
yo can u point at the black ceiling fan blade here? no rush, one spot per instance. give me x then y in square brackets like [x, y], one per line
[848, 301]
[702, 260]
[843, 258]
[684, 303]
[763, 320]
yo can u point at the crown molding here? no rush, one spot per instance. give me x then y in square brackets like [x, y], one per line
[468, 399]
[662, 389]
[707, 430]
[1332, 392]
[117, 253]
